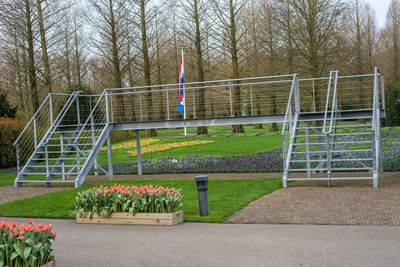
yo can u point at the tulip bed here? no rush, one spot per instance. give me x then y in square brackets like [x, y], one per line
[25, 245]
[131, 199]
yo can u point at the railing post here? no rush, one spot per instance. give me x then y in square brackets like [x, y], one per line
[141, 111]
[107, 111]
[308, 158]
[166, 92]
[194, 104]
[328, 158]
[51, 108]
[297, 94]
[34, 132]
[77, 111]
[109, 156]
[230, 98]
[138, 154]
[47, 161]
[251, 100]
[96, 169]
[17, 152]
[64, 176]
[112, 108]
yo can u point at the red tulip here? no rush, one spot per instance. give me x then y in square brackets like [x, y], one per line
[54, 234]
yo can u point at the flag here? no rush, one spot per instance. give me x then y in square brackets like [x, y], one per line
[181, 104]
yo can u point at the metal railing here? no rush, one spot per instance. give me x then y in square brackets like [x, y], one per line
[291, 115]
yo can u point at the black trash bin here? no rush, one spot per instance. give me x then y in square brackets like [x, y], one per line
[202, 188]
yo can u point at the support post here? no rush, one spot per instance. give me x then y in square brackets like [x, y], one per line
[109, 154]
[307, 130]
[328, 158]
[230, 99]
[166, 92]
[141, 111]
[194, 104]
[62, 152]
[51, 108]
[112, 108]
[17, 153]
[251, 99]
[138, 154]
[297, 94]
[107, 112]
[95, 164]
[77, 111]
[34, 132]
[47, 165]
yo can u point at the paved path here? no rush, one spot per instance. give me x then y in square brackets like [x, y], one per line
[339, 204]
[11, 193]
[196, 244]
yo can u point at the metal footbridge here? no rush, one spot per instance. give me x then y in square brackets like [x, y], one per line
[330, 125]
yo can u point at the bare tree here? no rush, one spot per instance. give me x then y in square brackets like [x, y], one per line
[229, 15]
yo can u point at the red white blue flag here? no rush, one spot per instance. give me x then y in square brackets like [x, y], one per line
[181, 104]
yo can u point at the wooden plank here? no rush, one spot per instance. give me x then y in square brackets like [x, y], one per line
[138, 218]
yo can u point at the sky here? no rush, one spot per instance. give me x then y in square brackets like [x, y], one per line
[380, 7]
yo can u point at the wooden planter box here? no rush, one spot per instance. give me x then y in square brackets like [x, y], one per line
[49, 264]
[138, 218]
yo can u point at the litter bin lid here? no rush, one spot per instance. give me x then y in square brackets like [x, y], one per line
[201, 178]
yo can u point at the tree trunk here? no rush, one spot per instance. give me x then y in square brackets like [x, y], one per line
[201, 100]
[31, 59]
[67, 63]
[235, 68]
[146, 68]
[116, 65]
[77, 58]
[45, 57]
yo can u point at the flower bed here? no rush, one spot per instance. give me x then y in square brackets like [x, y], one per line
[26, 245]
[162, 147]
[130, 144]
[131, 201]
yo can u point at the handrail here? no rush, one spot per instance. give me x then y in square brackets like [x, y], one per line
[65, 108]
[295, 76]
[205, 82]
[33, 117]
[334, 101]
[90, 115]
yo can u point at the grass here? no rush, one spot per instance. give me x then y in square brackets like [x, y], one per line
[7, 178]
[225, 197]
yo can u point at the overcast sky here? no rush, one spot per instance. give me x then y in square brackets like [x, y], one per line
[381, 7]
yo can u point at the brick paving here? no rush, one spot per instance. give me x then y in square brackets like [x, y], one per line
[342, 203]
[11, 193]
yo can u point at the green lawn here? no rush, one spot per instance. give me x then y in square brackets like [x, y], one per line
[7, 178]
[225, 197]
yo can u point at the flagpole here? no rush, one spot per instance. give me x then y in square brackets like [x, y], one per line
[184, 96]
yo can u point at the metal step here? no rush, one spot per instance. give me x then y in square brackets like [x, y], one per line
[331, 178]
[71, 152]
[67, 139]
[333, 151]
[334, 143]
[333, 160]
[334, 169]
[57, 158]
[50, 166]
[337, 126]
[65, 145]
[44, 173]
[324, 135]
[45, 181]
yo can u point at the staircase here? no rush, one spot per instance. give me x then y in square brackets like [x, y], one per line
[334, 144]
[68, 146]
